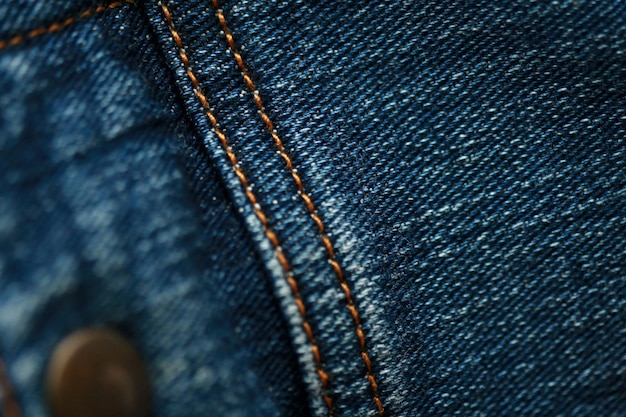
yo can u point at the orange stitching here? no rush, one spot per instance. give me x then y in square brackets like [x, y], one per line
[309, 204]
[10, 408]
[55, 27]
[269, 233]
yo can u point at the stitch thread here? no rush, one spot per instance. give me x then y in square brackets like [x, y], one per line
[309, 204]
[10, 408]
[258, 211]
[55, 27]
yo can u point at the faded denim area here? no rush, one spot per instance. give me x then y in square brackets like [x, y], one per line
[111, 215]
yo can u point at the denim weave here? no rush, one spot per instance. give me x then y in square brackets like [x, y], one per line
[465, 159]
[110, 216]
[468, 158]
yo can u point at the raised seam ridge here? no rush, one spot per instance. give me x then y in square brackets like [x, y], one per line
[258, 210]
[326, 241]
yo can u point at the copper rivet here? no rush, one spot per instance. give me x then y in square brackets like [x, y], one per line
[97, 373]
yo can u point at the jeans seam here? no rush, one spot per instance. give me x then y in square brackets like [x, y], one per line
[308, 201]
[62, 24]
[258, 210]
[10, 406]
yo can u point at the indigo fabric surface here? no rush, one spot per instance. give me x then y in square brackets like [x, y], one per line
[407, 208]
[110, 216]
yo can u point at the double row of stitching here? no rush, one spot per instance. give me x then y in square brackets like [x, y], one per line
[55, 27]
[306, 198]
[10, 407]
[258, 210]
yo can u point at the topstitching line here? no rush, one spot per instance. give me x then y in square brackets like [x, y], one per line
[258, 210]
[55, 27]
[326, 241]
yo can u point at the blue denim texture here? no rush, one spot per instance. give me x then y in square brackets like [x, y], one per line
[467, 160]
[111, 217]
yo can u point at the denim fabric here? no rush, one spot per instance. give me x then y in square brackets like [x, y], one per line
[465, 160]
[110, 216]
[469, 160]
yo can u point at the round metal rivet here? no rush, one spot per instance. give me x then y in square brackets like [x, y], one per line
[97, 373]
